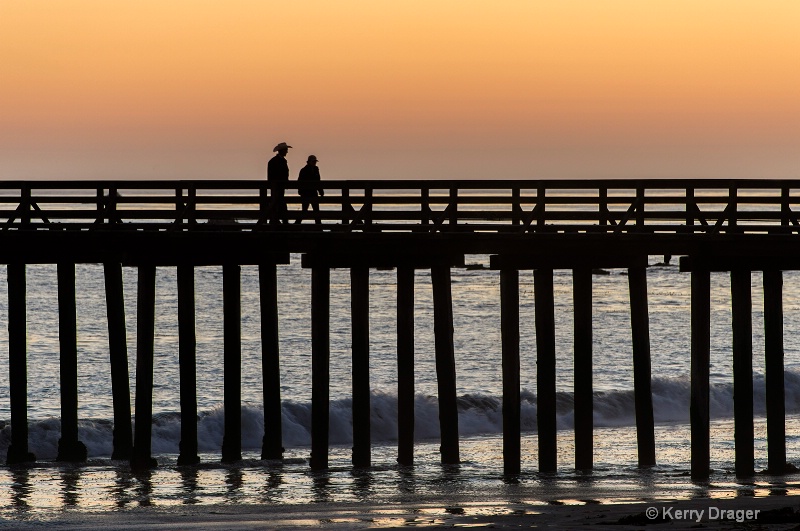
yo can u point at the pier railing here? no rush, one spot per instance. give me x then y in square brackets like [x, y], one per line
[540, 206]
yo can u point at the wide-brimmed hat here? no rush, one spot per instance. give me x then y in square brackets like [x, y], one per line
[282, 145]
[312, 158]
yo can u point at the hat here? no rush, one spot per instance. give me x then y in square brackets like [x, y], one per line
[282, 145]
[312, 158]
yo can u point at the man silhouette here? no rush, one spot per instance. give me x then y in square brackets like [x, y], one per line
[278, 174]
[309, 187]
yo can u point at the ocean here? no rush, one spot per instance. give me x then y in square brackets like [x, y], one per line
[102, 484]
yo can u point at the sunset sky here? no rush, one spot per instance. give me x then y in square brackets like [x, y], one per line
[180, 89]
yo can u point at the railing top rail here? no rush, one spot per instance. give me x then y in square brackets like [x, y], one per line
[487, 184]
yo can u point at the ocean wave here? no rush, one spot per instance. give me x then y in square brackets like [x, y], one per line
[479, 414]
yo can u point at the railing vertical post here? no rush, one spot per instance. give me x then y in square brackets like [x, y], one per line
[741, 317]
[602, 205]
[232, 356]
[17, 366]
[640, 202]
[425, 206]
[445, 363]
[583, 409]
[405, 365]
[545, 369]
[320, 366]
[359, 280]
[347, 208]
[453, 207]
[541, 205]
[701, 359]
[69, 447]
[516, 206]
[25, 204]
[145, 340]
[187, 356]
[118, 359]
[367, 207]
[785, 207]
[640, 330]
[773, 335]
[509, 325]
[733, 207]
[272, 445]
[690, 208]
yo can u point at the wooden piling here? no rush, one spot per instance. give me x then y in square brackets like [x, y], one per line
[187, 359]
[145, 339]
[320, 366]
[741, 301]
[545, 369]
[118, 358]
[405, 366]
[232, 361]
[359, 280]
[583, 405]
[640, 330]
[700, 364]
[17, 366]
[773, 336]
[69, 446]
[509, 328]
[272, 444]
[445, 363]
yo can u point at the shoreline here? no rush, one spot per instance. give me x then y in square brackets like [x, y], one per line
[776, 512]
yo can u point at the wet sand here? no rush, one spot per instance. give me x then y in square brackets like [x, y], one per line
[772, 512]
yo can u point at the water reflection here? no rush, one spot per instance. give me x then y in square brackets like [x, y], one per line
[144, 487]
[321, 486]
[70, 477]
[272, 490]
[20, 488]
[363, 483]
[190, 486]
[234, 480]
[122, 487]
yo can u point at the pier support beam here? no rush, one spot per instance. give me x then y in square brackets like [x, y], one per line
[741, 301]
[359, 279]
[445, 363]
[272, 444]
[776, 407]
[405, 365]
[187, 355]
[17, 366]
[320, 365]
[145, 338]
[583, 407]
[509, 328]
[643, 396]
[545, 369]
[232, 361]
[69, 447]
[701, 360]
[118, 358]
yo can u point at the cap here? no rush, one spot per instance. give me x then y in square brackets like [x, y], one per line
[312, 158]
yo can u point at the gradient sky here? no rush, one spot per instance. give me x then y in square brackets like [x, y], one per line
[435, 89]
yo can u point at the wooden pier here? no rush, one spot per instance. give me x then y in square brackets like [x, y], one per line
[736, 226]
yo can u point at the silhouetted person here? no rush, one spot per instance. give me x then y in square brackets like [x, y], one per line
[309, 187]
[278, 173]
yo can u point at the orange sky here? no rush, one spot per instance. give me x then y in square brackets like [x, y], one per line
[450, 89]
